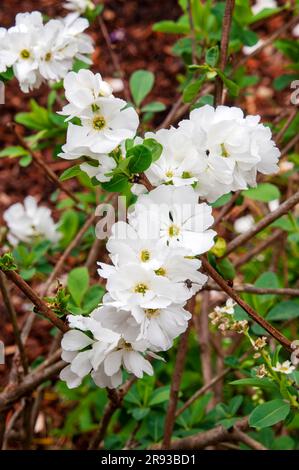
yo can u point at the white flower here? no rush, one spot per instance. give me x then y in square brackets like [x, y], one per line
[135, 285]
[295, 31]
[104, 353]
[228, 308]
[41, 52]
[173, 214]
[161, 326]
[108, 124]
[273, 205]
[79, 6]
[179, 162]
[233, 149]
[243, 224]
[261, 5]
[284, 368]
[27, 222]
[82, 89]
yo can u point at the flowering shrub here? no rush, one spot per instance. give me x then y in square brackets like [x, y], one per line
[186, 187]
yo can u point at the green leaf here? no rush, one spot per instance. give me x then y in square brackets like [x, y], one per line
[160, 395]
[191, 91]
[140, 159]
[284, 311]
[25, 161]
[77, 283]
[27, 274]
[212, 56]
[232, 87]
[117, 184]
[284, 80]
[155, 148]
[140, 413]
[269, 413]
[68, 226]
[222, 200]
[14, 151]
[264, 192]
[171, 27]
[226, 269]
[153, 107]
[70, 173]
[141, 83]
[92, 298]
[262, 383]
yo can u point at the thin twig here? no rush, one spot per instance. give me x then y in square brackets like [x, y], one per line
[13, 318]
[226, 25]
[40, 305]
[258, 248]
[115, 402]
[263, 223]
[257, 290]
[249, 441]
[175, 388]
[114, 57]
[286, 126]
[38, 160]
[286, 343]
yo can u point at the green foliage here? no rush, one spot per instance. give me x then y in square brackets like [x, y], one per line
[83, 297]
[264, 192]
[32, 260]
[141, 83]
[7, 262]
[268, 414]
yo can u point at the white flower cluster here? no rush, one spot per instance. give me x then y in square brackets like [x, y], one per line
[106, 122]
[217, 150]
[40, 52]
[27, 222]
[155, 269]
[154, 272]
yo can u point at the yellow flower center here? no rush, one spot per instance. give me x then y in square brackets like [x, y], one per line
[160, 272]
[169, 174]
[99, 123]
[174, 231]
[25, 54]
[140, 288]
[48, 56]
[145, 256]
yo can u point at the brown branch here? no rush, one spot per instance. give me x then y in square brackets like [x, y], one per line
[263, 223]
[114, 57]
[115, 402]
[13, 318]
[286, 126]
[40, 305]
[30, 383]
[249, 441]
[256, 290]
[258, 248]
[201, 391]
[207, 438]
[38, 160]
[248, 309]
[226, 208]
[175, 388]
[226, 25]
[290, 145]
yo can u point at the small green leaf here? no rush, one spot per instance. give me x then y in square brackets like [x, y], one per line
[153, 107]
[171, 27]
[140, 159]
[284, 311]
[118, 183]
[264, 192]
[191, 91]
[226, 269]
[159, 395]
[232, 87]
[269, 413]
[14, 151]
[140, 413]
[262, 383]
[141, 83]
[212, 56]
[155, 148]
[70, 173]
[25, 161]
[77, 283]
